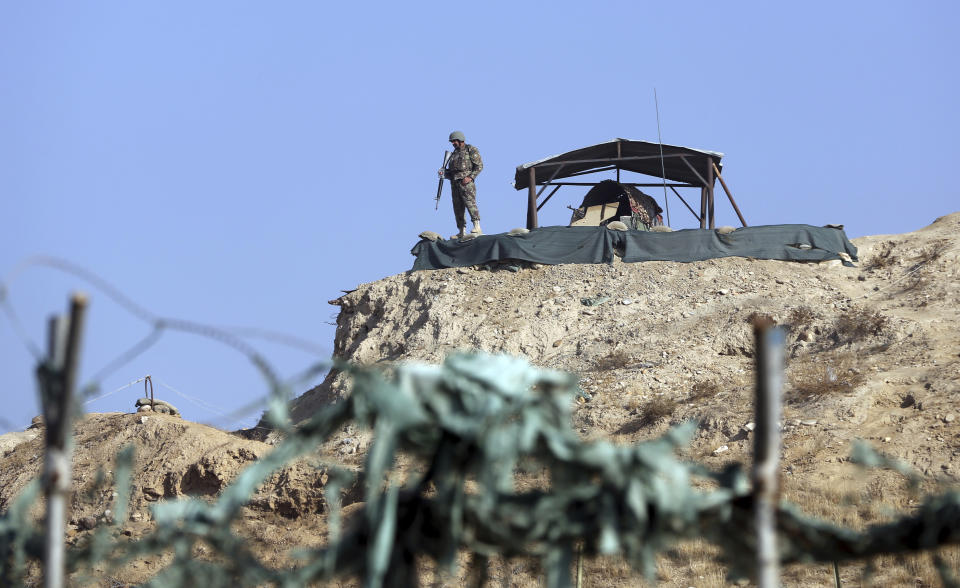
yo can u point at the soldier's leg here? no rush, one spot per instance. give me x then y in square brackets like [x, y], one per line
[470, 201]
[456, 191]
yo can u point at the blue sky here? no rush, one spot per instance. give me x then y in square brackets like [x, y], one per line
[239, 163]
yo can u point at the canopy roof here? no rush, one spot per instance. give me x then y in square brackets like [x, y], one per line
[680, 164]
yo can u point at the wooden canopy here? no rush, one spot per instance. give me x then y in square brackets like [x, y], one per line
[678, 167]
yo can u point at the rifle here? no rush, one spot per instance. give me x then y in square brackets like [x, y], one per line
[446, 159]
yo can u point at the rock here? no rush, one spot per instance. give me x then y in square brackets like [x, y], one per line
[87, 523]
[949, 418]
[429, 236]
[749, 427]
[518, 231]
[488, 299]
[809, 423]
[558, 343]
[595, 301]
[626, 302]
[720, 449]
[36, 422]
[171, 409]
[723, 292]
[145, 408]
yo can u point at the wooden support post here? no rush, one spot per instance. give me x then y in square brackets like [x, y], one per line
[618, 161]
[547, 199]
[729, 195]
[770, 342]
[532, 199]
[710, 184]
[685, 203]
[703, 207]
[58, 380]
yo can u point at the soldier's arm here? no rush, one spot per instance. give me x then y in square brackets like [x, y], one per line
[476, 161]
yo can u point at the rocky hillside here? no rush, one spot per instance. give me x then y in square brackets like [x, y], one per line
[874, 353]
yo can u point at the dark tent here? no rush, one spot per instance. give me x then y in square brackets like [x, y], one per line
[630, 202]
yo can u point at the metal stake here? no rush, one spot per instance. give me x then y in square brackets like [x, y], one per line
[770, 341]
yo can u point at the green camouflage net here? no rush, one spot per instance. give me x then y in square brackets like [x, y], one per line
[485, 420]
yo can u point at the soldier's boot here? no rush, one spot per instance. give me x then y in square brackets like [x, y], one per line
[461, 234]
[476, 228]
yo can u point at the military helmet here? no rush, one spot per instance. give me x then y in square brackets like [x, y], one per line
[457, 136]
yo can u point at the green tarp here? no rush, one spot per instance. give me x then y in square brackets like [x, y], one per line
[556, 245]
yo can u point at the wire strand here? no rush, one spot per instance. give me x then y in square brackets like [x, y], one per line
[128, 355]
[663, 168]
[915, 269]
[18, 329]
[197, 401]
[124, 387]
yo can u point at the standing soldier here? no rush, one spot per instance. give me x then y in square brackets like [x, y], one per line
[462, 170]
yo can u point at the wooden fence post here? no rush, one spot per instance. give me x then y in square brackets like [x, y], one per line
[58, 380]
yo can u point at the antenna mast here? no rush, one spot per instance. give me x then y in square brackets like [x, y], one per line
[663, 171]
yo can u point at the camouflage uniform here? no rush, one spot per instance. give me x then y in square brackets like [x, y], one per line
[465, 162]
[643, 209]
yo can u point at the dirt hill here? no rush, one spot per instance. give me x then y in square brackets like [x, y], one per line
[874, 353]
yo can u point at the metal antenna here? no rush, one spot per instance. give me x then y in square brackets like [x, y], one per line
[663, 171]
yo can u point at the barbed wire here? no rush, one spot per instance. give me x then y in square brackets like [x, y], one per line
[18, 329]
[291, 341]
[230, 336]
[123, 359]
[473, 421]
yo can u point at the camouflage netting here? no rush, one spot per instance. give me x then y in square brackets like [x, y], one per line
[478, 422]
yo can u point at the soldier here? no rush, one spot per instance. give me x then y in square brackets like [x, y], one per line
[462, 170]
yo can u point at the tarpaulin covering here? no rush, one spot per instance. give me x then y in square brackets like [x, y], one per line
[556, 245]
[636, 156]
